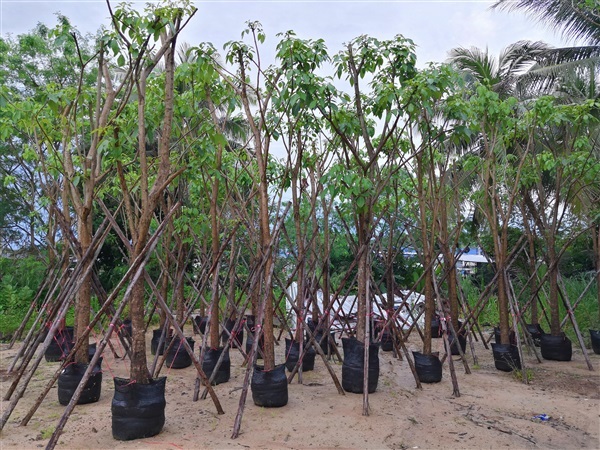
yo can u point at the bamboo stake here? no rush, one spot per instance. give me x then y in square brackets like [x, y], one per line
[367, 342]
[67, 295]
[259, 320]
[565, 298]
[50, 274]
[581, 295]
[519, 318]
[138, 267]
[514, 311]
[41, 313]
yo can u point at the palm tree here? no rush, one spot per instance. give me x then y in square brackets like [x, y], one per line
[570, 72]
[502, 74]
[575, 20]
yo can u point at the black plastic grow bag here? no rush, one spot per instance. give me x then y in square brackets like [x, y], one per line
[269, 388]
[512, 338]
[556, 348]
[428, 367]
[353, 366]
[237, 333]
[91, 351]
[536, 332]
[69, 379]
[506, 357]
[462, 340]
[436, 327]
[387, 341]
[211, 356]
[250, 320]
[177, 356]
[154, 343]
[199, 324]
[127, 328]
[60, 346]
[292, 354]
[595, 338]
[327, 345]
[138, 410]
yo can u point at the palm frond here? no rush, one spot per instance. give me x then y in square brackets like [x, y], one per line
[558, 65]
[573, 19]
[517, 58]
[476, 62]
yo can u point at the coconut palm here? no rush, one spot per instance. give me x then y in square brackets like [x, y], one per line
[575, 20]
[500, 74]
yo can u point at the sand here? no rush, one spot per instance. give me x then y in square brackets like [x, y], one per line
[494, 410]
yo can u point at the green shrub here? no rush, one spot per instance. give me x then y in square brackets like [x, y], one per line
[19, 281]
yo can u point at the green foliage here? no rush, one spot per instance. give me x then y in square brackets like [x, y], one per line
[586, 312]
[518, 375]
[578, 258]
[19, 282]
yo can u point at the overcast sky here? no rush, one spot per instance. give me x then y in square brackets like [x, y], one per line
[435, 26]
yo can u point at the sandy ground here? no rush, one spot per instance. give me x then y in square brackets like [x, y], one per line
[494, 410]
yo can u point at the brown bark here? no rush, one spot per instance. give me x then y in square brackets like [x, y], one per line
[596, 246]
[215, 232]
[150, 197]
[532, 264]
[427, 248]
[263, 289]
[301, 251]
[82, 306]
[364, 275]
[179, 288]
[449, 264]
[553, 295]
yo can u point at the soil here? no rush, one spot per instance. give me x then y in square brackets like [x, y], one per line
[494, 409]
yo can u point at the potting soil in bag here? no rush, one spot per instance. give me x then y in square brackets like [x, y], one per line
[138, 410]
[269, 388]
[177, 355]
[556, 348]
[353, 366]
[506, 357]
[211, 357]
[292, 354]
[428, 367]
[595, 338]
[71, 376]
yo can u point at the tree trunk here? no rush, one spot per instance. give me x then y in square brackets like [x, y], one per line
[429, 303]
[301, 252]
[82, 307]
[427, 248]
[553, 295]
[596, 246]
[532, 262]
[363, 275]
[179, 280]
[326, 262]
[139, 366]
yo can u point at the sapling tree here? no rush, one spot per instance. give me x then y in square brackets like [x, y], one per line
[141, 41]
[499, 171]
[562, 167]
